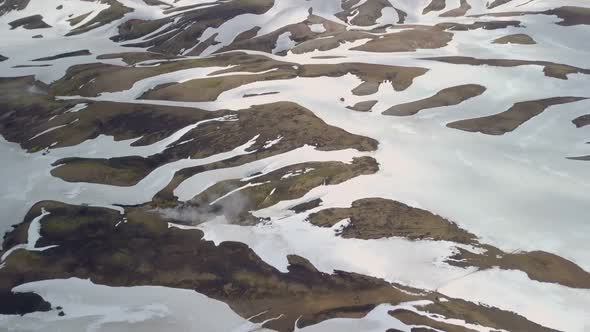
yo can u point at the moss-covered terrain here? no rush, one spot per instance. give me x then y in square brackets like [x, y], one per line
[446, 97]
[297, 125]
[509, 120]
[237, 198]
[139, 248]
[375, 218]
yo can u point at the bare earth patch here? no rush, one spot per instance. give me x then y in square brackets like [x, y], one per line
[30, 23]
[98, 244]
[519, 38]
[210, 88]
[446, 97]
[582, 121]
[287, 183]
[363, 106]
[297, 125]
[551, 69]
[408, 41]
[569, 15]
[64, 55]
[375, 218]
[115, 11]
[434, 5]
[501, 123]
[463, 8]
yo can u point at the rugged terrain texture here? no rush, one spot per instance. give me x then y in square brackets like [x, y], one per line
[310, 165]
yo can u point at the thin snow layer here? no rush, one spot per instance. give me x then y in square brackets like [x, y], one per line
[77, 108]
[317, 28]
[96, 308]
[284, 43]
[388, 16]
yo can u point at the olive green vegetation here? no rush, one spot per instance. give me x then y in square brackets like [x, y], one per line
[115, 11]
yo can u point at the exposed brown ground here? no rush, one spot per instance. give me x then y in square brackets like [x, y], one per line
[297, 125]
[31, 66]
[33, 109]
[408, 41]
[446, 97]
[21, 303]
[368, 12]
[372, 75]
[497, 3]
[569, 15]
[551, 69]
[10, 5]
[136, 28]
[186, 28]
[249, 95]
[518, 38]
[501, 123]
[464, 6]
[486, 316]
[363, 106]
[91, 79]
[267, 43]
[538, 265]
[147, 123]
[210, 88]
[287, 183]
[76, 20]
[93, 243]
[581, 158]
[157, 3]
[91, 246]
[306, 206]
[64, 55]
[330, 42]
[486, 25]
[29, 23]
[306, 40]
[401, 14]
[582, 121]
[115, 11]
[247, 34]
[434, 5]
[375, 218]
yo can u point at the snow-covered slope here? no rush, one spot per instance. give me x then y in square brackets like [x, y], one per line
[314, 165]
